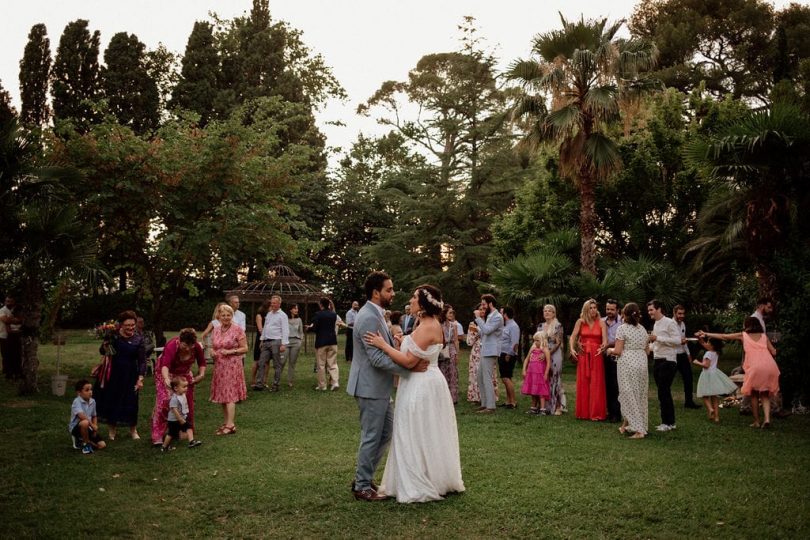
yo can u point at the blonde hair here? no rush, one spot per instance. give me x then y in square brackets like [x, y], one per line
[585, 314]
[541, 337]
[224, 307]
[215, 314]
[551, 327]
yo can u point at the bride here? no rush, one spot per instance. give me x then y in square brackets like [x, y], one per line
[423, 462]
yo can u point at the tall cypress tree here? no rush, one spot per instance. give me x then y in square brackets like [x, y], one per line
[35, 76]
[76, 74]
[197, 89]
[131, 92]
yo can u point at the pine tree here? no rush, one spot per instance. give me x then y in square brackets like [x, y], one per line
[35, 76]
[197, 89]
[131, 93]
[76, 74]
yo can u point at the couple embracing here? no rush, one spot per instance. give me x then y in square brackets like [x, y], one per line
[423, 463]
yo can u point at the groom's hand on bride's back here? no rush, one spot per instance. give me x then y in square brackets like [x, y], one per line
[420, 366]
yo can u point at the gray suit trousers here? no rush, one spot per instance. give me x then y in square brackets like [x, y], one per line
[376, 428]
[486, 370]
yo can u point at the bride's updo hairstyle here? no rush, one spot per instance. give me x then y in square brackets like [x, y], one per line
[430, 300]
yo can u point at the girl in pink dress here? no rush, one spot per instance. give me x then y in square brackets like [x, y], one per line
[761, 379]
[536, 368]
[228, 384]
[179, 355]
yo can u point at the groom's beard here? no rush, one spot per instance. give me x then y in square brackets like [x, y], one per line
[385, 302]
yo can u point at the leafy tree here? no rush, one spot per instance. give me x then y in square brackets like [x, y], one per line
[589, 74]
[355, 213]
[462, 172]
[725, 43]
[162, 66]
[76, 83]
[7, 112]
[197, 88]
[35, 77]
[131, 93]
[212, 199]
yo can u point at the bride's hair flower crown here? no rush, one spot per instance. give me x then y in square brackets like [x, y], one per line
[438, 303]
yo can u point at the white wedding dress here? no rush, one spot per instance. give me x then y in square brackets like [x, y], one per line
[423, 462]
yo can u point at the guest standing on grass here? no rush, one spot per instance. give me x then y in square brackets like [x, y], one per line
[448, 362]
[490, 324]
[324, 324]
[118, 391]
[205, 337]
[474, 342]
[239, 317]
[351, 315]
[296, 327]
[228, 384]
[666, 341]
[684, 359]
[178, 420]
[510, 341]
[761, 379]
[257, 344]
[275, 339]
[11, 339]
[553, 331]
[588, 342]
[631, 363]
[713, 383]
[179, 356]
[612, 321]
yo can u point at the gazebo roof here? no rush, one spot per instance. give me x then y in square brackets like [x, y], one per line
[281, 280]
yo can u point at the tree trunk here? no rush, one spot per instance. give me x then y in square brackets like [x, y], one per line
[587, 223]
[32, 315]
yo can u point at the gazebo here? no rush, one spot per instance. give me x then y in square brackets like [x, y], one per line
[281, 281]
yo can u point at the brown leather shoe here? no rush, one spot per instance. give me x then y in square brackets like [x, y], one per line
[369, 495]
[374, 486]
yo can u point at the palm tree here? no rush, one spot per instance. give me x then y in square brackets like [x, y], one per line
[763, 161]
[590, 76]
[45, 241]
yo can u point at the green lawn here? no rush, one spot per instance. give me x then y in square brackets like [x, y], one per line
[286, 473]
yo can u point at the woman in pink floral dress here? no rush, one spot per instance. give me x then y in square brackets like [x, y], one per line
[474, 341]
[179, 355]
[228, 385]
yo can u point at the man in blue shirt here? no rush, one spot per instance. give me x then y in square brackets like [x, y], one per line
[510, 341]
[490, 324]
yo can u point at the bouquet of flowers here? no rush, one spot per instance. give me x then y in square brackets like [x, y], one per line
[106, 332]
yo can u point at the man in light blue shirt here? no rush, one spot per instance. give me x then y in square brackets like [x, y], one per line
[274, 341]
[510, 341]
[490, 324]
[351, 315]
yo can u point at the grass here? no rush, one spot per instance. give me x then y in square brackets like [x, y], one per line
[287, 473]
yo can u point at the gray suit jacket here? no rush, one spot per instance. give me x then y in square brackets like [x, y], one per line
[491, 331]
[372, 372]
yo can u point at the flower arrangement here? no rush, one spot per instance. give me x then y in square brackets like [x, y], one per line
[106, 332]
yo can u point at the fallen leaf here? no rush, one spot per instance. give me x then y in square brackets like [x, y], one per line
[102, 490]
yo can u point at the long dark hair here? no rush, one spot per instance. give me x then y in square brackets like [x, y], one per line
[430, 301]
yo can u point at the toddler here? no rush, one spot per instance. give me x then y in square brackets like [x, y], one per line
[712, 382]
[178, 414]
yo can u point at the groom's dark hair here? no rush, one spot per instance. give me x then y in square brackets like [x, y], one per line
[375, 282]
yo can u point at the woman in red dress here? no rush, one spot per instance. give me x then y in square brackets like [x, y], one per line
[178, 356]
[587, 343]
[228, 385]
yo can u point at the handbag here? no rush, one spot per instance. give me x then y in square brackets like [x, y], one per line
[102, 371]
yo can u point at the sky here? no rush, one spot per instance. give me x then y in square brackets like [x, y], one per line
[366, 42]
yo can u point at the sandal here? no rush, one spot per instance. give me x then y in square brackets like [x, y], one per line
[755, 425]
[226, 430]
[622, 429]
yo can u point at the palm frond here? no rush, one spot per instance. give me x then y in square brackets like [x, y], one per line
[603, 154]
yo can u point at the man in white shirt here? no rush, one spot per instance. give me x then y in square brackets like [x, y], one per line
[351, 315]
[274, 340]
[408, 321]
[665, 341]
[684, 359]
[10, 340]
[239, 318]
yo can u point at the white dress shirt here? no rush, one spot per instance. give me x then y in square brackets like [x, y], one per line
[240, 320]
[667, 342]
[276, 326]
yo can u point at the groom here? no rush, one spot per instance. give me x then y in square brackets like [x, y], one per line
[371, 380]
